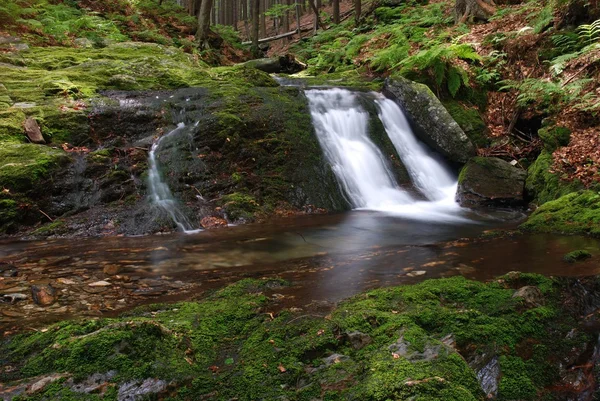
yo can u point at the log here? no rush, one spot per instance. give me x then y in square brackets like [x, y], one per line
[272, 38]
[286, 64]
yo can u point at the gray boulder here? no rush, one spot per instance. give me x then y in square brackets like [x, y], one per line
[430, 120]
[489, 181]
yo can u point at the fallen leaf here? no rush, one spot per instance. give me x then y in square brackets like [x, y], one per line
[281, 368]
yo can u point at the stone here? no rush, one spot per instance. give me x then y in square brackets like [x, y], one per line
[83, 43]
[7, 40]
[8, 270]
[335, 358]
[531, 295]
[14, 297]
[489, 376]
[491, 182]
[137, 390]
[111, 270]
[43, 295]
[43, 382]
[430, 120]
[100, 283]
[33, 131]
[359, 340]
[416, 273]
[284, 64]
[24, 105]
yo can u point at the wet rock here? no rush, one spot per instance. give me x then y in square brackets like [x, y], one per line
[83, 43]
[101, 283]
[137, 390]
[213, 222]
[403, 348]
[283, 64]
[14, 298]
[111, 270]
[531, 295]
[33, 131]
[430, 120]
[8, 270]
[359, 340]
[489, 181]
[43, 295]
[416, 273]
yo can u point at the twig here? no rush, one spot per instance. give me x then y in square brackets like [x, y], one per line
[42, 212]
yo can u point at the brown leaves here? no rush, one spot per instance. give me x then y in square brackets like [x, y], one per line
[581, 159]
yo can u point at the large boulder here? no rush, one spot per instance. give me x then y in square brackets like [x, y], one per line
[430, 120]
[489, 181]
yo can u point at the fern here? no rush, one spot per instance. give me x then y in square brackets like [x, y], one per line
[589, 33]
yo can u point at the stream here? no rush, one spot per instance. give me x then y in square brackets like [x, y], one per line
[325, 258]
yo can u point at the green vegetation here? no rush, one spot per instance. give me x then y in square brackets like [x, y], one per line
[227, 346]
[575, 213]
[543, 185]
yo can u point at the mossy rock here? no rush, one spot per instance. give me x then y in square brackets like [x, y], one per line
[554, 137]
[542, 185]
[22, 166]
[11, 125]
[576, 256]
[226, 347]
[470, 121]
[239, 206]
[489, 181]
[575, 213]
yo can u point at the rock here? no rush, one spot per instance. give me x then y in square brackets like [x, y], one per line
[14, 297]
[19, 47]
[403, 348]
[213, 222]
[111, 270]
[8, 270]
[33, 131]
[577, 256]
[489, 181]
[416, 273]
[24, 105]
[43, 382]
[43, 295]
[100, 283]
[532, 296]
[489, 376]
[431, 122]
[93, 383]
[135, 390]
[7, 40]
[83, 43]
[335, 358]
[359, 340]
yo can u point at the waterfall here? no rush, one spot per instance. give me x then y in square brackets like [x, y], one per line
[160, 193]
[341, 126]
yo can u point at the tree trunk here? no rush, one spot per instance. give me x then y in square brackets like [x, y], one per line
[318, 9]
[357, 11]
[465, 10]
[255, 10]
[204, 22]
[263, 18]
[336, 11]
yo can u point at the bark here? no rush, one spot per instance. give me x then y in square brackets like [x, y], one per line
[204, 22]
[357, 11]
[336, 11]
[263, 18]
[465, 10]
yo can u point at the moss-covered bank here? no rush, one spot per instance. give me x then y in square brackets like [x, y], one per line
[419, 342]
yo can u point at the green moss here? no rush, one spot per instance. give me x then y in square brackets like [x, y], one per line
[470, 121]
[554, 137]
[542, 185]
[22, 166]
[226, 346]
[53, 228]
[576, 256]
[9, 213]
[575, 213]
[11, 125]
[239, 206]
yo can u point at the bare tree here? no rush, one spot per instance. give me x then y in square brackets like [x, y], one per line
[473, 9]
[336, 11]
[255, 10]
[357, 11]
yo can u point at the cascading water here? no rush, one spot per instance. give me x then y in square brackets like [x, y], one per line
[160, 193]
[341, 126]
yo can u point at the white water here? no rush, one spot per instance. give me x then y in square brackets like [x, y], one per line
[341, 126]
[161, 194]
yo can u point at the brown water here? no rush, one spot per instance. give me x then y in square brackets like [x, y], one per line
[325, 258]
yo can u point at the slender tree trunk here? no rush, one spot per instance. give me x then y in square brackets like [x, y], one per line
[263, 18]
[336, 11]
[204, 22]
[255, 10]
[357, 11]
[235, 13]
[286, 17]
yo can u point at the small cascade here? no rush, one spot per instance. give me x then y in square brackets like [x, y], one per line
[161, 194]
[428, 173]
[342, 128]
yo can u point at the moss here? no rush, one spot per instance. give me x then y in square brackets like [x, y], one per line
[9, 213]
[226, 346]
[470, 121]
[22, 166]
[239, 206]
[11, 125]
[576, 256]
[575, 213]
[554, 137]
[53, 228]
[542, 185]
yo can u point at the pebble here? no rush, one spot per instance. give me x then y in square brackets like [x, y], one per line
[43, 295]
[15, 297]
[101, 283]
[416, 273]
